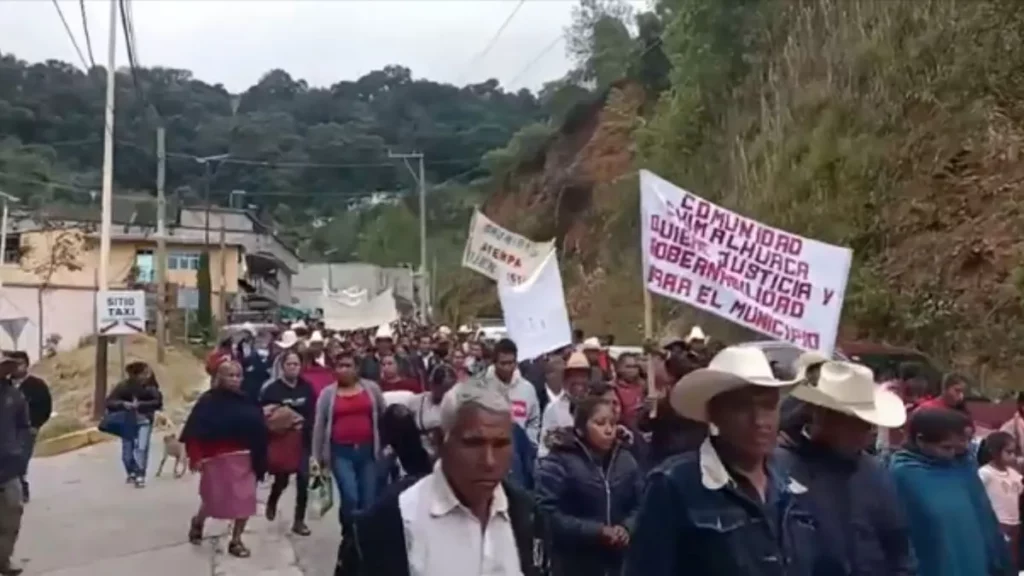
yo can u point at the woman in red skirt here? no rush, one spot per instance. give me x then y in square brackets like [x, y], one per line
[226, 440]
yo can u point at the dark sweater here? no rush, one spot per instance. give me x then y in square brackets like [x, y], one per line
[40, 403]
[299, 398]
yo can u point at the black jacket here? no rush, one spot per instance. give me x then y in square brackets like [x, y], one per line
[40, 403]
[377, 546]
[578, 495]
[14, 426]
[149, 397]
[856, 506]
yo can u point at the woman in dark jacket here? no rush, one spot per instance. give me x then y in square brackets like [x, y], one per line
[137, 399]
[292, 392]
[589, 488]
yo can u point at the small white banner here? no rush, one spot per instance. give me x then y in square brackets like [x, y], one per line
[535, 313]
[765, 279]
[501, 255]
[120, 312]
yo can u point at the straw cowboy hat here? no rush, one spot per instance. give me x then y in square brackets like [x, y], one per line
[696, 333]
[806, 361]
[850, 389]
[577, 361]
[288, 339]
[384, 332]
[732, 368]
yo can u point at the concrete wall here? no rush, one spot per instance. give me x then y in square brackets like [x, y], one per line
[307, 284]
[68, 312]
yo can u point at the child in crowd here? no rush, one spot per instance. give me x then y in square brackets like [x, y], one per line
[1003, 485]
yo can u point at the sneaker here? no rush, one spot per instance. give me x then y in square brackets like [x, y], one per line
[140, 482]
[130, 479]
[301, 529]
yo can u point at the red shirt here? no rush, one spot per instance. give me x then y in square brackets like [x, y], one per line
[410, 384]
[319, 377]
[352, 419]
[631, 397]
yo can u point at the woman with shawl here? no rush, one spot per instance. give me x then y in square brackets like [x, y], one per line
[226, 441]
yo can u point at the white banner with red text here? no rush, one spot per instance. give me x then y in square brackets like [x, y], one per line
[765, 279]
[501, 255]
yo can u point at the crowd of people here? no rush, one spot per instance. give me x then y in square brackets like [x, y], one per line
[451, 456]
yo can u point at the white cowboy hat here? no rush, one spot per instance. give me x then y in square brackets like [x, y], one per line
[696, 333]
[591, 343]
[316, 337]
[669, 341]
[577, 361]
[464, 329]
[384, 332]
[806, 361]
[288, 339]
[298, 325]
[444, 331]
[732, 368]
[850, 389]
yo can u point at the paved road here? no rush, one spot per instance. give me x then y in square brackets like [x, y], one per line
[84, 520]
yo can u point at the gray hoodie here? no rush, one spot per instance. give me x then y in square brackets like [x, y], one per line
[525, 406]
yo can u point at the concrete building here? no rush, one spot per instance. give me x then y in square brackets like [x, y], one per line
[51, 258]
[307, 284]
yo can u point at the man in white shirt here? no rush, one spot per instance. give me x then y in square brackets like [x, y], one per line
[558, 414]
[462, 519]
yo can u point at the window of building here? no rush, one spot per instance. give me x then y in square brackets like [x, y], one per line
[12, 249]
[183, 261]
[144, 266]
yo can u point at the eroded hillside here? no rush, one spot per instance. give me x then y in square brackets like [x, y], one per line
[895, 128]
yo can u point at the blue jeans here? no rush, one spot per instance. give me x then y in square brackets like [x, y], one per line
[135, 451]
[355, 471]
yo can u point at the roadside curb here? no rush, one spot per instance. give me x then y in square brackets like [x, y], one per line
[70, 442]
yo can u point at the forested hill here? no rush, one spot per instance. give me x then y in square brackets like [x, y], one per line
[329, 145]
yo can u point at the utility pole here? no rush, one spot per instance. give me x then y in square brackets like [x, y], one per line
[421, 179]
[223, 271]
[99, 396]
[161, 246]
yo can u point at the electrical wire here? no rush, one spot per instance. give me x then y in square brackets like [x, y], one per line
[535, 60]
[74, 41]
[85, 28]
[491, 43]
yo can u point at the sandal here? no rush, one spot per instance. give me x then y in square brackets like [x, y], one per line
[195, 531]
[238, 550]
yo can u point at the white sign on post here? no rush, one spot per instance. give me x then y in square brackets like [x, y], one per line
[500, 254]
[120, 312]
[535, 314]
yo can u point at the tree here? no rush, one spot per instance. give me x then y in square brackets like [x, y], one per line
[55, 250]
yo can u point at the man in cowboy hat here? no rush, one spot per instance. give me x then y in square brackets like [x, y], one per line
[727, 508]
[848, 487]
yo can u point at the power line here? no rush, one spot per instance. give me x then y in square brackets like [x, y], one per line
[74, 41]
[535, 60]
[129, 38]
[85, 28]
[492, 42]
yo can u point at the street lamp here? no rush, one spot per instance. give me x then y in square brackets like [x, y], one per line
[330, 269]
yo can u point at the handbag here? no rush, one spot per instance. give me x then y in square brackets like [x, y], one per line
[285, 452]
[121, 424]
[321, 494]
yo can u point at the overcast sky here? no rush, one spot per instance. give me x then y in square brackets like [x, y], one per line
[234, 42]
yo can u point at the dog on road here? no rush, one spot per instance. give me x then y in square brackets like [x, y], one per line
[173, 448]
